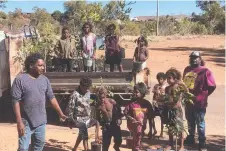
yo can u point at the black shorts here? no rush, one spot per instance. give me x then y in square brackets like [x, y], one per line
[113, 59]
[158, 111]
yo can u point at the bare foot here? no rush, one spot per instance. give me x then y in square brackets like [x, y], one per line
[181, 148]
[155, 132]
[167, 148]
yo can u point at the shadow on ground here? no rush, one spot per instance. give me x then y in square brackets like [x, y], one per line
[55, 145]
[215, 55]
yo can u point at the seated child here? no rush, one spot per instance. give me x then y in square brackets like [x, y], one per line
[136, 120]
[79, 113]
[158, 102]
[109, 116]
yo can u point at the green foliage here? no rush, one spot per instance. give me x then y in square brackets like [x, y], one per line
[131, 28]
[16, 19]
[3, 15]
[167, 25]
[213, 16]
[45, 24]
[79, 12]
[117, 10]
[57, 15]
[188, 27]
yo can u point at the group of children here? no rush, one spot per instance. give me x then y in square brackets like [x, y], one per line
[137, 112]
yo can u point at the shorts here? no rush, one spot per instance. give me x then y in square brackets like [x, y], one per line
[158, 111]
[83, 127]
[113, 59]
[144, 65]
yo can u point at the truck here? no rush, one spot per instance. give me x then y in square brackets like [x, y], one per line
[63, 83]
[119, 83]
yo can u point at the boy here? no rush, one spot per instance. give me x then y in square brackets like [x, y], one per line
[136, 112]
[65, 50]
[110, 120]
[79, 112]
[158, 102]
[174, 105]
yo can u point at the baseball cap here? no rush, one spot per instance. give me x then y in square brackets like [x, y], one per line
[195, 54]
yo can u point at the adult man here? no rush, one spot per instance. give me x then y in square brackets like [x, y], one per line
[29, 93]
[79, 112]
[65, 50]
[201, 84]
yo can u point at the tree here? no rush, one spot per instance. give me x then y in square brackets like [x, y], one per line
[204, 5]
[78, 12]
[44, 22]
[213, 16]
[3, 15]
[57, 15]
[16, 19]
[117, 10]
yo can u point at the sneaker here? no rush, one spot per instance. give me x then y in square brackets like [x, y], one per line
[189, 140]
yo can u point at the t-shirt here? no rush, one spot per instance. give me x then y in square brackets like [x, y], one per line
[199, 80]
[32, 93]
[88, 43]
[143, 104]
[112, 44]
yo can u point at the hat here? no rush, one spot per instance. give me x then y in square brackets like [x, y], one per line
[195, 54]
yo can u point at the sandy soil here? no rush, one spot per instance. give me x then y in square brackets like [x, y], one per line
[163, 55]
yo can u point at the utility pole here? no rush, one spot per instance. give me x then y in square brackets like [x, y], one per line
[157, 24]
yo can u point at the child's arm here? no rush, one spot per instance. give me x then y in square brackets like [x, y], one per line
[126, 113]
[94, 45]
[147, 54]
[134, 55]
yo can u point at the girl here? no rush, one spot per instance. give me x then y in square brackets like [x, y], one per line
[112, 48]
[136, 114]
[141, 53]
[158, 102]
[174, 96]
[88, 45]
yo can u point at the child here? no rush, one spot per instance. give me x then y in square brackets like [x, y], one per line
[174, 105]
[158, 102]
[113, 49]
[65, 50]
[79, 113]
[110, 120]
[88, 45]
[141, 53]
[136, 112]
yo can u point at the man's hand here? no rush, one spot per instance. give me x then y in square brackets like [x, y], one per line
[21, 128]
[63, 117]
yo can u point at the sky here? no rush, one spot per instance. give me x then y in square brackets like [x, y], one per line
[140, 8]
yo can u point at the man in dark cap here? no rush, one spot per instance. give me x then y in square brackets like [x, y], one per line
[201, 84]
